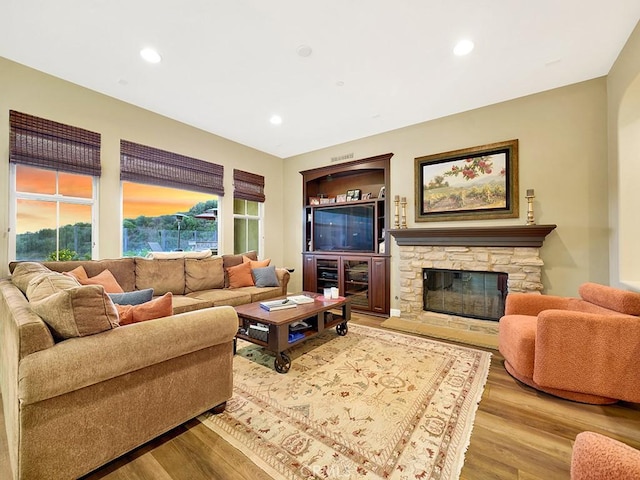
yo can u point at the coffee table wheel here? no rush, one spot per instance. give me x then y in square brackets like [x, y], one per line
[342, 329]
[282, 363]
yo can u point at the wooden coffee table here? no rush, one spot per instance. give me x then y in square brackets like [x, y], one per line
[320, 315]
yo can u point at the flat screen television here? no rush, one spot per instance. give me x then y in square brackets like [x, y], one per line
[344, 228]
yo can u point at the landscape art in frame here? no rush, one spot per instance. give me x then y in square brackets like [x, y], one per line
[469, 184]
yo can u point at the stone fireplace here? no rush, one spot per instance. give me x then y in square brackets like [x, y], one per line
[513, 250]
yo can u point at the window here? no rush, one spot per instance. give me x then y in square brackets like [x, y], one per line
[248, 196]
[170, 201]
[167, 219]
[54, 170]
[246, 226]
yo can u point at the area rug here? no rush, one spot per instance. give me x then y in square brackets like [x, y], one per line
[373, 404]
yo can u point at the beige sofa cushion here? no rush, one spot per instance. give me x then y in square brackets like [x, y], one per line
[25, 272]
[77, 311]
[46, 284]
[203, 274]
[161, 275]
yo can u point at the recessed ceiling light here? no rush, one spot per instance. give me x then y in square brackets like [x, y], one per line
[463, 47]
[150, 55]
[275, 120]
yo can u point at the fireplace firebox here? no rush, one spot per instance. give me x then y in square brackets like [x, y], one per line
[465, 293]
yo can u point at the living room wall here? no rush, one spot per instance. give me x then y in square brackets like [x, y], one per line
[623, 91]
[562, 155]
[29, 91]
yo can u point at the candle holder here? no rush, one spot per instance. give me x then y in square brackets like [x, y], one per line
[530, 196]
[396, 218]
[403, 202]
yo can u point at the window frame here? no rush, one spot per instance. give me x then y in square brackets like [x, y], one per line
[14, 196]
[246, 216]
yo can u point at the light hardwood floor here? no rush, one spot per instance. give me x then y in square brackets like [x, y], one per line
[519, 434]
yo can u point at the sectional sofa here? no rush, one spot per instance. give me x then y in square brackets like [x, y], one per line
[74, 404]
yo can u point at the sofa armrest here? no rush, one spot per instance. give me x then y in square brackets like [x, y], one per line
[532, 304]
[598, 456]
[283, 278]
[588, 352]
[79, 362]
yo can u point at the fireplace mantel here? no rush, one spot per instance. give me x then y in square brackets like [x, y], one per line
[497, 236]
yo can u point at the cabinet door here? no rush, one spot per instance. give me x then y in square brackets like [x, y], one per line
[327, 273]
[309, 273]
[379, 285]
[355, 273]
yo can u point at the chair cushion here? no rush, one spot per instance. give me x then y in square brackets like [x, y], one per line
[161, 275]
[203, 274]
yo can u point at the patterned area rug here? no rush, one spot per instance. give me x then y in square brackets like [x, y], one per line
[373, 404]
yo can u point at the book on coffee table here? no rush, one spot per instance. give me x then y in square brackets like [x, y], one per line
[273, 305]
[300, 299]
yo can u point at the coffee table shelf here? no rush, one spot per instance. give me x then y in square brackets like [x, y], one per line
[320, 315]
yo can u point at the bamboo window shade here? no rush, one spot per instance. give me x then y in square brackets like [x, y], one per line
[42, 143]
[142, 164]
[248, 186]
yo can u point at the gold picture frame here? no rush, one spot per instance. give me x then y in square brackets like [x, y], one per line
[474, 183]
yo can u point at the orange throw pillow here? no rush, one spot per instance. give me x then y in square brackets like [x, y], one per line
[104, 278]
[256, 263]
[157, 308]
[240, 275]
[77, 273]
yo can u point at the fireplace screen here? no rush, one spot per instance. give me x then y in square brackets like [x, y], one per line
[465, 293]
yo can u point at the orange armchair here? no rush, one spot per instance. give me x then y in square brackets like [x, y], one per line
[597, 457]
[583, 349]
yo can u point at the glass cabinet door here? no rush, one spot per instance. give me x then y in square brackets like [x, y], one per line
[356, 281]
[326, 274]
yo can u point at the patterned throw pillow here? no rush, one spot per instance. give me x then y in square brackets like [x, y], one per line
[265, 277]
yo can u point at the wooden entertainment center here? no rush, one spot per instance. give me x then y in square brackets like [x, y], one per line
[346, 214]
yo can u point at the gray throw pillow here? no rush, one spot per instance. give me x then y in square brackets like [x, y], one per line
[265, 277]
[136, 297]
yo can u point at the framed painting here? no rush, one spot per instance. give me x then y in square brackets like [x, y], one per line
[470, 184]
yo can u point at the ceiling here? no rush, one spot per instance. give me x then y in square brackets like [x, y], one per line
[374, 66]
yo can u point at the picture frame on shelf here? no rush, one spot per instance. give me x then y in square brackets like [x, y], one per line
[341, 198]
[353, 195]
[474, 183]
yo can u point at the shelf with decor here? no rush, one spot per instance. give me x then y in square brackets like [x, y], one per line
[345, 212]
